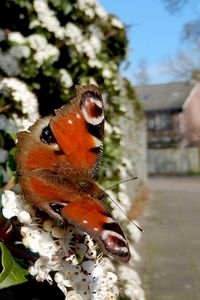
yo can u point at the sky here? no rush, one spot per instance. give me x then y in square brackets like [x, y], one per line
[154, 36]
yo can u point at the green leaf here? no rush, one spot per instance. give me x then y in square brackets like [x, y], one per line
[11, 272]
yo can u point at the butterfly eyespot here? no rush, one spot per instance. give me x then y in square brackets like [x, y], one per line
[47, 135]
[57, 207]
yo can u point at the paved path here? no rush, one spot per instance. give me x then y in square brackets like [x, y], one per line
[170, 245]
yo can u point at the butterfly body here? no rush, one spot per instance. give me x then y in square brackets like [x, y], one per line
[58, 160]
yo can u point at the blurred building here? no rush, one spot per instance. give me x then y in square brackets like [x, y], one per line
[172, 113]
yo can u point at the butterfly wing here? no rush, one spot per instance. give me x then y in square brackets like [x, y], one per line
[59, 156]
[94, 219]
[73, 137]
[58, 160]
[78, 128]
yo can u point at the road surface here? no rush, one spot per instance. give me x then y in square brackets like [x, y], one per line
[170, 245]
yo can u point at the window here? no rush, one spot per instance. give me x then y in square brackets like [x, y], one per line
[160, 121]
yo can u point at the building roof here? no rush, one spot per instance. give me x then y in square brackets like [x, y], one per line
[160, 97]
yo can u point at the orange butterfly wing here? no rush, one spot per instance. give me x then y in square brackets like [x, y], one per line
[58, 160]
[99, 223]
[72, 125]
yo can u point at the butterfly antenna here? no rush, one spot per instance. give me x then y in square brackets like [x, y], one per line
[116, 184]
[125, 213]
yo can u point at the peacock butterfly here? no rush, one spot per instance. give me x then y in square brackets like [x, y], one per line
[58, 160]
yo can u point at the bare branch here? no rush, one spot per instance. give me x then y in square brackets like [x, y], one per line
[185, 62]
[191, 31]
[174, 5]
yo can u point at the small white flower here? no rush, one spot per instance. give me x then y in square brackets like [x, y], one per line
[116, 23]
[108, 128]
[124, 171]
[65, 79]
[74, 34]
[12, 204]
[92, 81]
[60, 278]
[90, 12]
[58, 232]
[132, 282]
[41, 269]
[107, 73]
[3, 155]
[72, 295]
[47, 18]
[135, 233]
[39, 241]
[88, 49]
[124, 199]
[96, 31]
[84, 4]
[117, 130]
[34, 23]
[94, 63]
[9, 65]
[19, 92]
[96, 43]
[134, 255]
[37, 41]
[19, 51]
[100, 12]
[16, 37]
[24, 217]
[21, 123]
[49, 226]
[49, 52]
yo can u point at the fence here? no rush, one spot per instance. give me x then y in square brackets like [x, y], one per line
[174, 161]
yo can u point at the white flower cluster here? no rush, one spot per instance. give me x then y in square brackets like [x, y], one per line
[88, 277]
[132, 282]
[74, 34]
[127, 274]
[89, 46]
[92, 7]
[21, 48]
[43, 51]
[129, 278]
[19, 92]
[47, 18]
[9, 60]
